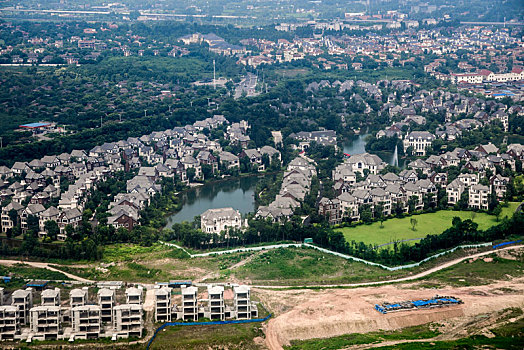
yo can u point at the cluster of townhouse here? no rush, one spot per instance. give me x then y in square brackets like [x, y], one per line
[322, 137]
[81, 317]
[461, 113]
[392, 192]
[162, 154]
[33, 188]
[296, 184]
[189, 305]
[483, 76]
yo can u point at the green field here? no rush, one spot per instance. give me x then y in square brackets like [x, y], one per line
[417, 332]
[429, 223]
[231, 336]
[507, 336]
[479, 272]
[303, 266]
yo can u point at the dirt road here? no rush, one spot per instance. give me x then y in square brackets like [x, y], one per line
[42, 265]
[403, 279]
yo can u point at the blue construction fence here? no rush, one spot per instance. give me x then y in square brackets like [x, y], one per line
[416, 304]
[209, 323]
[506, 243]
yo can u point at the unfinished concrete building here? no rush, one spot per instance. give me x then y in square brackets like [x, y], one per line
[23, 299]
[78, 297]
[163, 306]
[1, 296]
[128, 321]
[51, 297]
[242, 302]
[189, 303]
[134, 296]
[106, 300]
[216, 305]
[45, 322]
[9, 322]
[86, 321]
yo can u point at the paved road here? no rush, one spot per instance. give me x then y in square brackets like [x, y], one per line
[248, 85]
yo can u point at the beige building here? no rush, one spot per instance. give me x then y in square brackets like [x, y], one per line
[216, 305]
[189, 303]
[163, 305]
[86, 321]
[128, 321]
[134, 296]
[221, 219]
[242, 302]
[419, 141]
[106, 300]
[78, 297]
[454, 191]
[23, 299]
[51, 297]
[45, 322]
[9, 322]
[479, 197]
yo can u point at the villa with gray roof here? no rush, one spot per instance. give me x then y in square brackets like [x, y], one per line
[221, 219]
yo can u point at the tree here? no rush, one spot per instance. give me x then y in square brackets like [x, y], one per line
[413, 223]
[191, 172]
[497, 211]
[365, 213]
[33, 225]
[207, 171]
[13, 216]
[412, 203]
[52, 229]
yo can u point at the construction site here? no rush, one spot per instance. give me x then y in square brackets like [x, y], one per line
[463, 297]
[108, 310]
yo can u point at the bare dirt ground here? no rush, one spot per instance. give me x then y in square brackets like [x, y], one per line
[307, 314]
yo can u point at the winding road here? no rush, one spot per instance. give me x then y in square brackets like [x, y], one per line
[428, 272]
[402, 279]
[47, 266]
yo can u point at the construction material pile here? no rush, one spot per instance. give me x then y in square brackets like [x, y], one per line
[437, 301]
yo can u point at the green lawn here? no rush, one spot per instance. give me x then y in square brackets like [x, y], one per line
[430, 223]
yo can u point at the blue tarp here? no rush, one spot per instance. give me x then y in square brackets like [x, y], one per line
[34, 125]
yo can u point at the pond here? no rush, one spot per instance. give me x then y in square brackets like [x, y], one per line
[357, 145]
[238, 193]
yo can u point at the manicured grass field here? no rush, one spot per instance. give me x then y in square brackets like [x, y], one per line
[430, 223]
